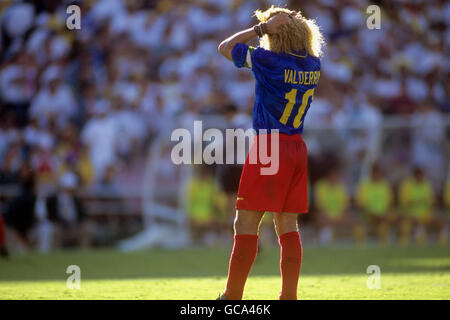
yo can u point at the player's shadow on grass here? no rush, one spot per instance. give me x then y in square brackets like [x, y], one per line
[214, 262]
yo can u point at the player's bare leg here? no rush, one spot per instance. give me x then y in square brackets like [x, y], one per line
[247, 222]
[291, 253]
[245, 248]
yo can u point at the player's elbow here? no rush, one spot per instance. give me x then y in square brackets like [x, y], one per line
[222, 46]
[224, 49]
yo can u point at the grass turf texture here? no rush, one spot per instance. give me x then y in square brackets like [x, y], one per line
[327, 273]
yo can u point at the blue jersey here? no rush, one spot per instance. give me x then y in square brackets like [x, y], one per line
[285, 85]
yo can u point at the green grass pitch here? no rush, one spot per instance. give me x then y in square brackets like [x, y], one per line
[327, 273]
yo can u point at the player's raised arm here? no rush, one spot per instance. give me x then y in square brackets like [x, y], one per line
[227, 45]
[269, 27]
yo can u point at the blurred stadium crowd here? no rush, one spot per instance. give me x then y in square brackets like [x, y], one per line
[79, 107]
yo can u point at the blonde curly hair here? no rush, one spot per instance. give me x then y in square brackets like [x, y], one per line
[300, 35]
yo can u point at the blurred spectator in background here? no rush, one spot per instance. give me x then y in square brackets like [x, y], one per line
[19, 215]
[18, 85]
[73, 155]
[55, 100]
[99, 135]
[332, 202]
[206, 207]
[374, 200]
[427, 145]
[417, 198]
[66, 212]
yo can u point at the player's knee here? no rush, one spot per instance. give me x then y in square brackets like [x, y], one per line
[246, 223]
[285, 223]
[245, 226]
[281, 229]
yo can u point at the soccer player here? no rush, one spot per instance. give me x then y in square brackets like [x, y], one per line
[416, 199]
[374, 200]
[286, 67]
[332, 201]
[204, 199]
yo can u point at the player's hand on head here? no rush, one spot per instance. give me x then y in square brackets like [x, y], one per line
[278, 20]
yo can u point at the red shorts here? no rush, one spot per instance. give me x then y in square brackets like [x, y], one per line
[285, 191]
